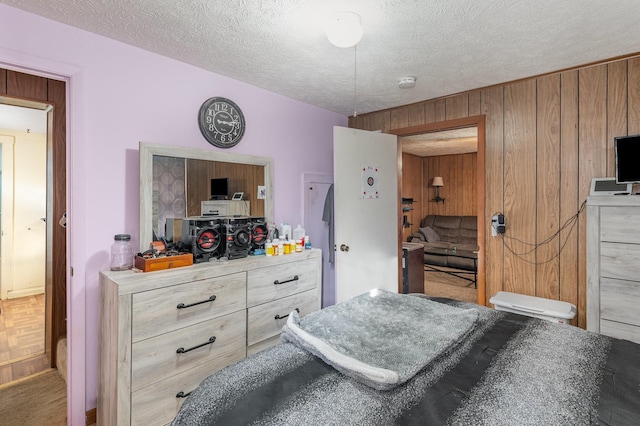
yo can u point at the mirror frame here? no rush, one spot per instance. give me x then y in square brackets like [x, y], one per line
[148, 150]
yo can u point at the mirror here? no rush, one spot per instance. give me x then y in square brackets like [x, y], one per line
[198, 167]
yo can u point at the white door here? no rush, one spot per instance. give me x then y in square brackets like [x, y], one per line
[365, 168]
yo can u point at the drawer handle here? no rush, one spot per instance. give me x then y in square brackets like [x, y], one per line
[181, 394]
[295, 278]
[183, 306]
[208, 342]
[284, 316]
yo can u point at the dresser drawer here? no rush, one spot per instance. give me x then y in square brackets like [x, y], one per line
[620, 261]
[153, 358]
[156, 312]
[619, 301]
[262, 322]
[620, 224]
[214, 208]
[157, 404]
[620, 331]
[274, 282]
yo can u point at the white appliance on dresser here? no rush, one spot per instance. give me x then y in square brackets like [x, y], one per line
[613, 266]
[163, 332]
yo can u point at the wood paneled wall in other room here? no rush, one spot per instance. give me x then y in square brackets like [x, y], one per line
[458, 173]
[546, 138]
[242, 178]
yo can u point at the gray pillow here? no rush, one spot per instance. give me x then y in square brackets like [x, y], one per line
[429, 234]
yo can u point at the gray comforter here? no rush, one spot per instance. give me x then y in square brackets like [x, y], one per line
[506, 369]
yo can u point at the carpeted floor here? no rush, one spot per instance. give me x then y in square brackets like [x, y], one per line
[37, 400]
[440, 284]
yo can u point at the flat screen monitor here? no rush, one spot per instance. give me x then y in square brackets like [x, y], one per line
[627, 152]
[219, 188]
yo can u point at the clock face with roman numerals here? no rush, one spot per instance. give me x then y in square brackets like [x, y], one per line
[221, 122]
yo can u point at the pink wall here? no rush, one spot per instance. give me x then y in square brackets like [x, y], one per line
[120, 95]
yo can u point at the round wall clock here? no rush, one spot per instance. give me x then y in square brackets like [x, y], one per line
[221, 122]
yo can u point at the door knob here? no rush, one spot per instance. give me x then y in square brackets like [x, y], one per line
[344, 247]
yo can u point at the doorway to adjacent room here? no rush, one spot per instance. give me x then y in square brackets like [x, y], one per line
[23, 240]
[453, 150]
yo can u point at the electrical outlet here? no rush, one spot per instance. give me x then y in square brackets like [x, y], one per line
[498, 224]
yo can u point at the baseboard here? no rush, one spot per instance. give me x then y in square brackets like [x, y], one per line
[31, 291]
[91, 417]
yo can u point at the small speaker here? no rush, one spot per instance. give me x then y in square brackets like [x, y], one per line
[259, 232]
[203, 237]
[236, 234]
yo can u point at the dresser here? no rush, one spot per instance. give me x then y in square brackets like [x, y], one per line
[225, 208]
[163, 332]
[613, 266]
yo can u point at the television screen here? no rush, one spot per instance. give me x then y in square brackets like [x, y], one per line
[219, 188]
[627, 151]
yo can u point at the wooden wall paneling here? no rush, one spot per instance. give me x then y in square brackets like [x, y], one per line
[416, 115]
[592, 127]
[520, 183]
[493, 108]
[456, 185]
[26, 86]
[447, 169]
[440, 110]
[475, 105]
[548, 186]
[356, 122]
[616, 109]
[633, 115]
[457, 106]
[380, 121]
[469, 177]
[57, 149]
[197, 189]
[412, 184]
[430, 112]
[399, 118]
[569, 195]
[3, 81]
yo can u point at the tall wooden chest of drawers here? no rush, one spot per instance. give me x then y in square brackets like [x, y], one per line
[163, 332]
[613, 266]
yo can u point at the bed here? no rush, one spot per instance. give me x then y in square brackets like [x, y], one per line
[384, 358]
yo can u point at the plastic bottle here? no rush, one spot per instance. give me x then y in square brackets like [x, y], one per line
[121, 253]
[307, 242]
[284, 233]
[298, 233]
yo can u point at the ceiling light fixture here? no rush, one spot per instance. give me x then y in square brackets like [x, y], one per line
[407, 82]
[345, 29]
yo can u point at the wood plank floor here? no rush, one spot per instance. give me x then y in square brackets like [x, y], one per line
[22, 338]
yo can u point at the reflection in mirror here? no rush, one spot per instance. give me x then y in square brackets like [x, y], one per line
[174, 181]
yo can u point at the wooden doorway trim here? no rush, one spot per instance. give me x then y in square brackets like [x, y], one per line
[477, 121]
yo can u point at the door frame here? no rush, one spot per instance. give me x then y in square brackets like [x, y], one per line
[28, 92]
[477, 121]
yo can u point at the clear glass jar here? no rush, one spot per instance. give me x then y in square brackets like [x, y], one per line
[121, 253]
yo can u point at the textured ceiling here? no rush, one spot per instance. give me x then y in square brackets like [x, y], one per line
[280, 45]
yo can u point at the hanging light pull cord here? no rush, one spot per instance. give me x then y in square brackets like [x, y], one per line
[355, 79]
